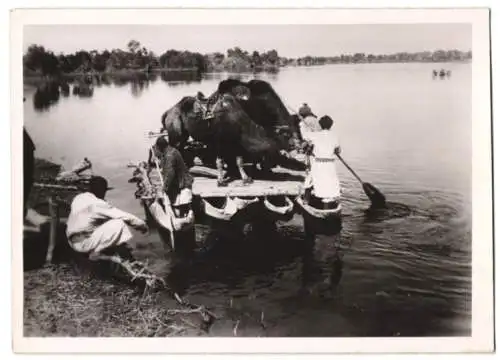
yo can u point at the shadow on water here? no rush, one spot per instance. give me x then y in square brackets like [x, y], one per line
[240, 277]
[263, 253]
[230, 257]
[321, 273]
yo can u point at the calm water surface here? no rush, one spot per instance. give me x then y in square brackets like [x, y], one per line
[405, 272]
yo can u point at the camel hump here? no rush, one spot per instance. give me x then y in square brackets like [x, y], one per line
[186, 104]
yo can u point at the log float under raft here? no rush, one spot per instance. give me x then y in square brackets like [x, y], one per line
[264, 199]
[279, 208]
[278, 203]
[279, 199]
[326, 221]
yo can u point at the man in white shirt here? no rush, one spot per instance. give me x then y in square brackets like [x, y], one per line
[94, 225]
[323, 177]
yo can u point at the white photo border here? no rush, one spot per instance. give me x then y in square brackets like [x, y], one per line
[482, 215]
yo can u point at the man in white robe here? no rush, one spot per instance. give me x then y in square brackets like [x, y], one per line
[94, 225]
[323, 176]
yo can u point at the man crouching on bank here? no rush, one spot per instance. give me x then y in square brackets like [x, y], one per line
[95, 226]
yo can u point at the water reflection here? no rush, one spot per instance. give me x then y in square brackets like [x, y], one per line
[83, 89]
[83, 86]
[46, 95]
[322, 266]
[119, 81]
[65, 89]
[141, 82]
[174, 78]
[264, 254]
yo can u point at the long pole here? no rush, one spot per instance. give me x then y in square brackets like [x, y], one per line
[53, 211]
[350, 169]
[166, 200]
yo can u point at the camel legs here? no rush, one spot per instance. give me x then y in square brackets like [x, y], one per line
[220, 172]
[239, 163]
[221, 181]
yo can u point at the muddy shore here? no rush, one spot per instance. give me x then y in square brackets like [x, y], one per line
[69, 298]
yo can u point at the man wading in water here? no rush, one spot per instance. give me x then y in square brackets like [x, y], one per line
[322, 179]
[177, 181]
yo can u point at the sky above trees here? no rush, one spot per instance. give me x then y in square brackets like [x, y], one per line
[288, 40]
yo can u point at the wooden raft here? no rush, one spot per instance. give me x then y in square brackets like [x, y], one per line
[206, 187]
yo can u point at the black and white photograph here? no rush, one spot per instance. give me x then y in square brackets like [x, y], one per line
[253, 174]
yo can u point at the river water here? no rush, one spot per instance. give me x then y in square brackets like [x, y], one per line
[404, 272]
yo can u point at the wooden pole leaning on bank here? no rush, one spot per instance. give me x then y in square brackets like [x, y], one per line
[70, 180]
[56, 187]
[54, 222]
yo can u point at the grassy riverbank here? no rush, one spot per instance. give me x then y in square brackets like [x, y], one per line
[61, 301]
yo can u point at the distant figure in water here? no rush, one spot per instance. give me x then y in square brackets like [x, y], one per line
[95, 226]
[322, 179]
[177, 180]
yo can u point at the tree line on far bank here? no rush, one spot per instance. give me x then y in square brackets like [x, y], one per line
[400, 57]
[41, 61]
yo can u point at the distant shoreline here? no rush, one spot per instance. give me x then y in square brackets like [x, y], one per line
[34, 78]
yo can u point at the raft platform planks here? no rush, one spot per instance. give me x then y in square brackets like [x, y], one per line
[206, 188]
